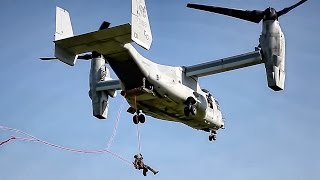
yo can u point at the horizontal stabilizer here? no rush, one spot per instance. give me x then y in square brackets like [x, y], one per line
[106, 41]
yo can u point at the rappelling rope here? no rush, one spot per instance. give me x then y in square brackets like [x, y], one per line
[7, 140]
[138, 130]
[34, 139]
[116, 125]
[138, 134]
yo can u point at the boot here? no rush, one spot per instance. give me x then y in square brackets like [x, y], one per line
[145, 172]
[152, 170]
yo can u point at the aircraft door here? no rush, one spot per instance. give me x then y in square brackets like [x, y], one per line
[213, 112]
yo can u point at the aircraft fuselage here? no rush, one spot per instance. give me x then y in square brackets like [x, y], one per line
[163, 91]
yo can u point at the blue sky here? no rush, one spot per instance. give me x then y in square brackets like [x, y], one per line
[268, 135]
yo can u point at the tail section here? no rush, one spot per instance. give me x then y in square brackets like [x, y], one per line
[63, 31]
[63, 24]
[140, 29]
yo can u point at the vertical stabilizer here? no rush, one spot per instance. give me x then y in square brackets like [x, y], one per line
[63, 30]
[141, 31]
[63, 24]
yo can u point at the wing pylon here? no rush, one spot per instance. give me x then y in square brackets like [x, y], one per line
[225, 64]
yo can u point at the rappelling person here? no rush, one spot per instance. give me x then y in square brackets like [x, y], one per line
[138, 164]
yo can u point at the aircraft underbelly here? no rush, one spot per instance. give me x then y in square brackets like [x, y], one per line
[126, 69]
[164, 109]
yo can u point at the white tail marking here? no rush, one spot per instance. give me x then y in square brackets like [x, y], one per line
[63, 24]
[63, 30]
[140, 29]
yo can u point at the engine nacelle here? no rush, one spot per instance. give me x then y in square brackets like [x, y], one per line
[99, 72]
[272, 44]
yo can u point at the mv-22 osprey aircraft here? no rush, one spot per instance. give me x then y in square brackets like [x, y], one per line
[161, 91]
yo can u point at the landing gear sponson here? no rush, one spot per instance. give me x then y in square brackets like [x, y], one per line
[190, 108]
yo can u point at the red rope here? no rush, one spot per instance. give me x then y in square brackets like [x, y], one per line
[34, 139]
[25, 139]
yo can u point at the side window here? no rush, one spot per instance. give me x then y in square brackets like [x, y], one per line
[218, 106]
[209, 100]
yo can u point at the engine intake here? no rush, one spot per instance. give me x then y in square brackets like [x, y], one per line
[100, 99]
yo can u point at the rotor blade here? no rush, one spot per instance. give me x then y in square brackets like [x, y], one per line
[104, 25]
[286, 10]
[84, 57]
[252, 16]
[48, 58]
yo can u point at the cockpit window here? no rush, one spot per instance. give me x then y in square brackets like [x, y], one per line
[204, 90]
[218, 105]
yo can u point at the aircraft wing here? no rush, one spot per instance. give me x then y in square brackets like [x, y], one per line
[225, 64]
[108, 85]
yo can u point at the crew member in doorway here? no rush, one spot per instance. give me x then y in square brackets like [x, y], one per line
[209, 99]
